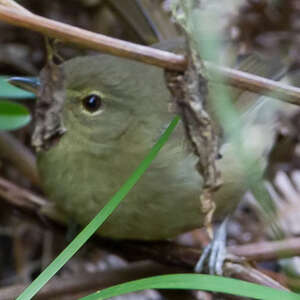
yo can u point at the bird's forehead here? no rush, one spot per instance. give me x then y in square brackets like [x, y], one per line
[105, 72]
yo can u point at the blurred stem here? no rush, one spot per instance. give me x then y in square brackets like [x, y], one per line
[136, 16]
[165, 27]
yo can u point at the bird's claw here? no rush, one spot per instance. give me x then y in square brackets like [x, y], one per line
[215, 253]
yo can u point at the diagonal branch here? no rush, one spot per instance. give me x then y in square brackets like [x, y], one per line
[96, 41]
[14, 15]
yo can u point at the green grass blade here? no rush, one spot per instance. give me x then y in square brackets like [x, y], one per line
[8, 91]
[196, 282]
[92, 227]
[13, 115]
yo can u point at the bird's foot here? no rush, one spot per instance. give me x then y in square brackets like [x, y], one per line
[215, 254]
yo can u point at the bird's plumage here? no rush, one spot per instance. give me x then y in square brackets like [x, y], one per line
[101, 150]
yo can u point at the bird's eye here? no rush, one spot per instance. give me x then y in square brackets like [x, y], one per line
[92, 103]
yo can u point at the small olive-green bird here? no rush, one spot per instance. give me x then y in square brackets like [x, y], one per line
[114, 112]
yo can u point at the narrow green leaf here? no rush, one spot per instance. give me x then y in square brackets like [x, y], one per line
[93, 226]
[196, 282]
[8, 91]
[13, 115]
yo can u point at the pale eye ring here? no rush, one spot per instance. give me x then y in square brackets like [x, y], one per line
[92, 103]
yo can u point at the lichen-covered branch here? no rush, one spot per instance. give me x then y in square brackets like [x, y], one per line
[191, 95]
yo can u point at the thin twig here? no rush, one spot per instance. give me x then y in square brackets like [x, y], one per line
[21, 198]
[164, 59]
[254, 83]
[265, 250]
[96, 41]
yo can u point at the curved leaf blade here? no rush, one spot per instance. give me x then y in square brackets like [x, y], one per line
[13, 115]
[196, 282]
[99, 219]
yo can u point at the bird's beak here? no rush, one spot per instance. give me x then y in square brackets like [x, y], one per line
[25, 83]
